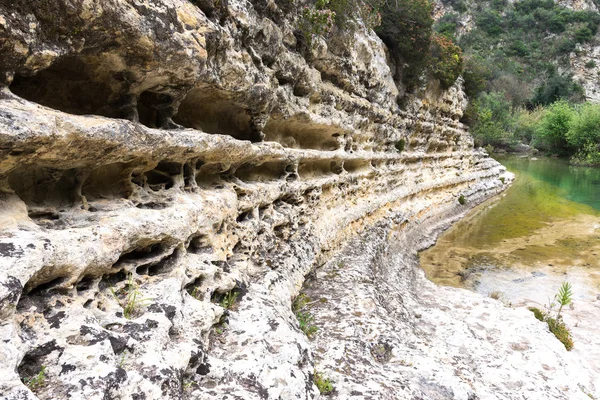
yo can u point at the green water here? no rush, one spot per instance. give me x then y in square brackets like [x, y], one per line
[550, 216]
[544, 190]
[577, 184]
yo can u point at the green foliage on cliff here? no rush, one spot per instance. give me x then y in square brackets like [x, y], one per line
[405, 26]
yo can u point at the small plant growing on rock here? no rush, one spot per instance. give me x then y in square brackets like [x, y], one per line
[555, 324]
[323, 384]
[36, 382]
[132, 301]
[400, 145]
[502, 179]
[461, 200]
[564, 297]
[304, 317]
[226, 300]
[537, 313]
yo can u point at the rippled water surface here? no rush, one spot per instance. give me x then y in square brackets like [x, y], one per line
[545, 229]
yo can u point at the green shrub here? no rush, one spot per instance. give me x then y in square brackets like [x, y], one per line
[493, 122]
[457, 5]
[406, 27]
[557, 87]
[400, 145]
[490, 22]
[526, 123]
[446, 60]
[476, 75]
[317, 20]
[551, 134]
[461, 200]
[583, 34]
[447, 26]
[584, 127]
[590, 64]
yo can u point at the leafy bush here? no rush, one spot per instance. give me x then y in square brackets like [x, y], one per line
[583, 34]
[493, 120]
[476, 75]
[447, 26]
[458, 5]
[317, 20]
[490, 22]
[551, 134]
[406, 27]
[526, 123]
[557, 87]
[447, 60]
[584, 127]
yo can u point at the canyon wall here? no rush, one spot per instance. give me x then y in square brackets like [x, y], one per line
[170, 172]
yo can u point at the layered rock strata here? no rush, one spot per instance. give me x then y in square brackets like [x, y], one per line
[171, 172]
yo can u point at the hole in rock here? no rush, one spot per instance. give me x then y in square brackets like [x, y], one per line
[212, 111]
[152, 205]
[194, 288]
[162, 266]
[189, 172]
[160, 178]
[111, 280]
[301, 133]
[267, 171]
[34, 361]
[291, 198]
[209, 174]
[85, 283]
[228, 299]
[38, 288]
[154, 109]
[68, 86]
[141, 254]
[199, 244]
[336, 167]
[352, 166]
[244, 216]
[42, 187]
[108, 181]
[314, 168]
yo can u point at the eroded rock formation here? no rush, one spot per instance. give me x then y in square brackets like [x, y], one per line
[147, 263]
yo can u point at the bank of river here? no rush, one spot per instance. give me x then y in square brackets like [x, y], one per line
[522, 245]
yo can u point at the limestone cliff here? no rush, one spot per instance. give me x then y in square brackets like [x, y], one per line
[170, 172]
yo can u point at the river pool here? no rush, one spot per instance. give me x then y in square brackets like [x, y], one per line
[545, 229]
